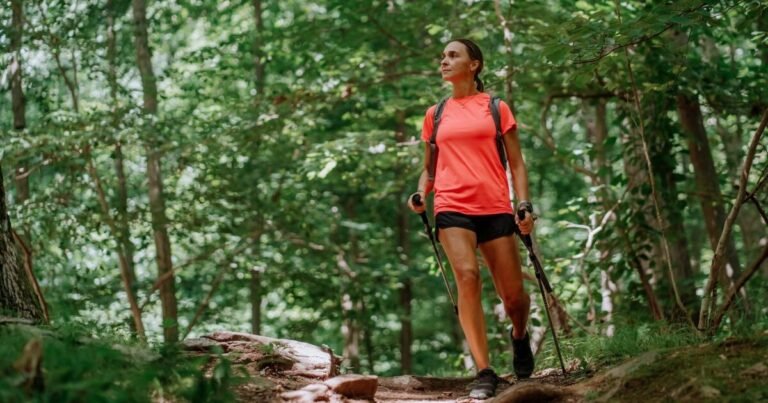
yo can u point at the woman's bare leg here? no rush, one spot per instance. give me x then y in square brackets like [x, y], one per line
[503, 258]
[459, 245]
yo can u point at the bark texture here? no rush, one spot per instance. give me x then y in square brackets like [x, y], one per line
[17, 297]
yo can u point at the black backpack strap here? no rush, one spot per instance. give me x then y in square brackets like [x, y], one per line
[495, 103]
[432, 167]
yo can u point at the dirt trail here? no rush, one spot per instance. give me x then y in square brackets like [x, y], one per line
[733, 370]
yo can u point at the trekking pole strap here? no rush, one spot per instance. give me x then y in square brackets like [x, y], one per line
[433, 150]
[495, 103]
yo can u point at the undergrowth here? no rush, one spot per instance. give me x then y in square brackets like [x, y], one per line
[80, 368]
[633, 337]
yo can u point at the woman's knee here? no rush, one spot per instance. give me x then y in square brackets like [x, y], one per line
[468, 279]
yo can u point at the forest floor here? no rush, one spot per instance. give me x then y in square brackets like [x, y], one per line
[67, 366]
[731, 370]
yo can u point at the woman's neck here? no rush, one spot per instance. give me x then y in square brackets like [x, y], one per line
[463, 89]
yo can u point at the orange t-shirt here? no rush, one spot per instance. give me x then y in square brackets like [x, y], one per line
[469, 178]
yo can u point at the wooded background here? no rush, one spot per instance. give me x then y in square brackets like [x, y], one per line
[176, 167]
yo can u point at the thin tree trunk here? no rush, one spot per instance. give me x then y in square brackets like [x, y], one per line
[640, 116]
[120, 227]
[719, 260]
[636, 173]
[752, 228]
[598, 131]
[707, 186]
[351, 333]
[258, 77]
[762, 25]
[350, 302]
[406, 327]
[256, 297]
[718, 315]
[403, 250]
[18, 101]
[510, 65]
[664, 164]
[368, 342]
[54, 43]
[258, 52]
[122, 186]
[154, 176]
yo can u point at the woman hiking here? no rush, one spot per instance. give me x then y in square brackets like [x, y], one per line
[473, 208]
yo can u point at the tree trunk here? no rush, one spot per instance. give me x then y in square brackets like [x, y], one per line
[636, 173]
[749, 221]
[121, 227]
[154, 176]
[18, 101]
[368, 342]
[16, 294]
[351, 304]
[258, 77]
[762, 25]
[598, 130]
[403, 251]
[256, 301]
[664, 164]
[351, 331]
[406, 327]
[707, 186]
[679, 251]
[16, 290]
[258, 43]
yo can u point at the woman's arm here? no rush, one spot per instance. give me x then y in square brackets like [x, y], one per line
[519, 175]
[424, 186]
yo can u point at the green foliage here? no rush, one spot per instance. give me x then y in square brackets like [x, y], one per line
[78, 367]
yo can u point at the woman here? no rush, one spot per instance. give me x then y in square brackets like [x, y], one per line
[473, 208]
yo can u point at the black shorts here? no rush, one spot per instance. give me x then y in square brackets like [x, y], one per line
[486, 227]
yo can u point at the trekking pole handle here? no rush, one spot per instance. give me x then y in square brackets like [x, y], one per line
[416, 200]
[525, 238]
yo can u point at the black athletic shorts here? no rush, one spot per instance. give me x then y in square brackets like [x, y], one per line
[486, 227]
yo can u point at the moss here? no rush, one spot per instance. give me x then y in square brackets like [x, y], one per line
[707, 372]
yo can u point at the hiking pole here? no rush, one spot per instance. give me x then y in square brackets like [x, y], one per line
[416, 200]
[543, 284]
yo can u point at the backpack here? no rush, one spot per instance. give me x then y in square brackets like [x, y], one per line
[494, 105]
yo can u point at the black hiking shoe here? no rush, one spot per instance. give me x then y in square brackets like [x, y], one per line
[523, 359]
[484, 385]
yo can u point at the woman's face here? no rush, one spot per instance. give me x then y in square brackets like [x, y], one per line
[455, 64]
